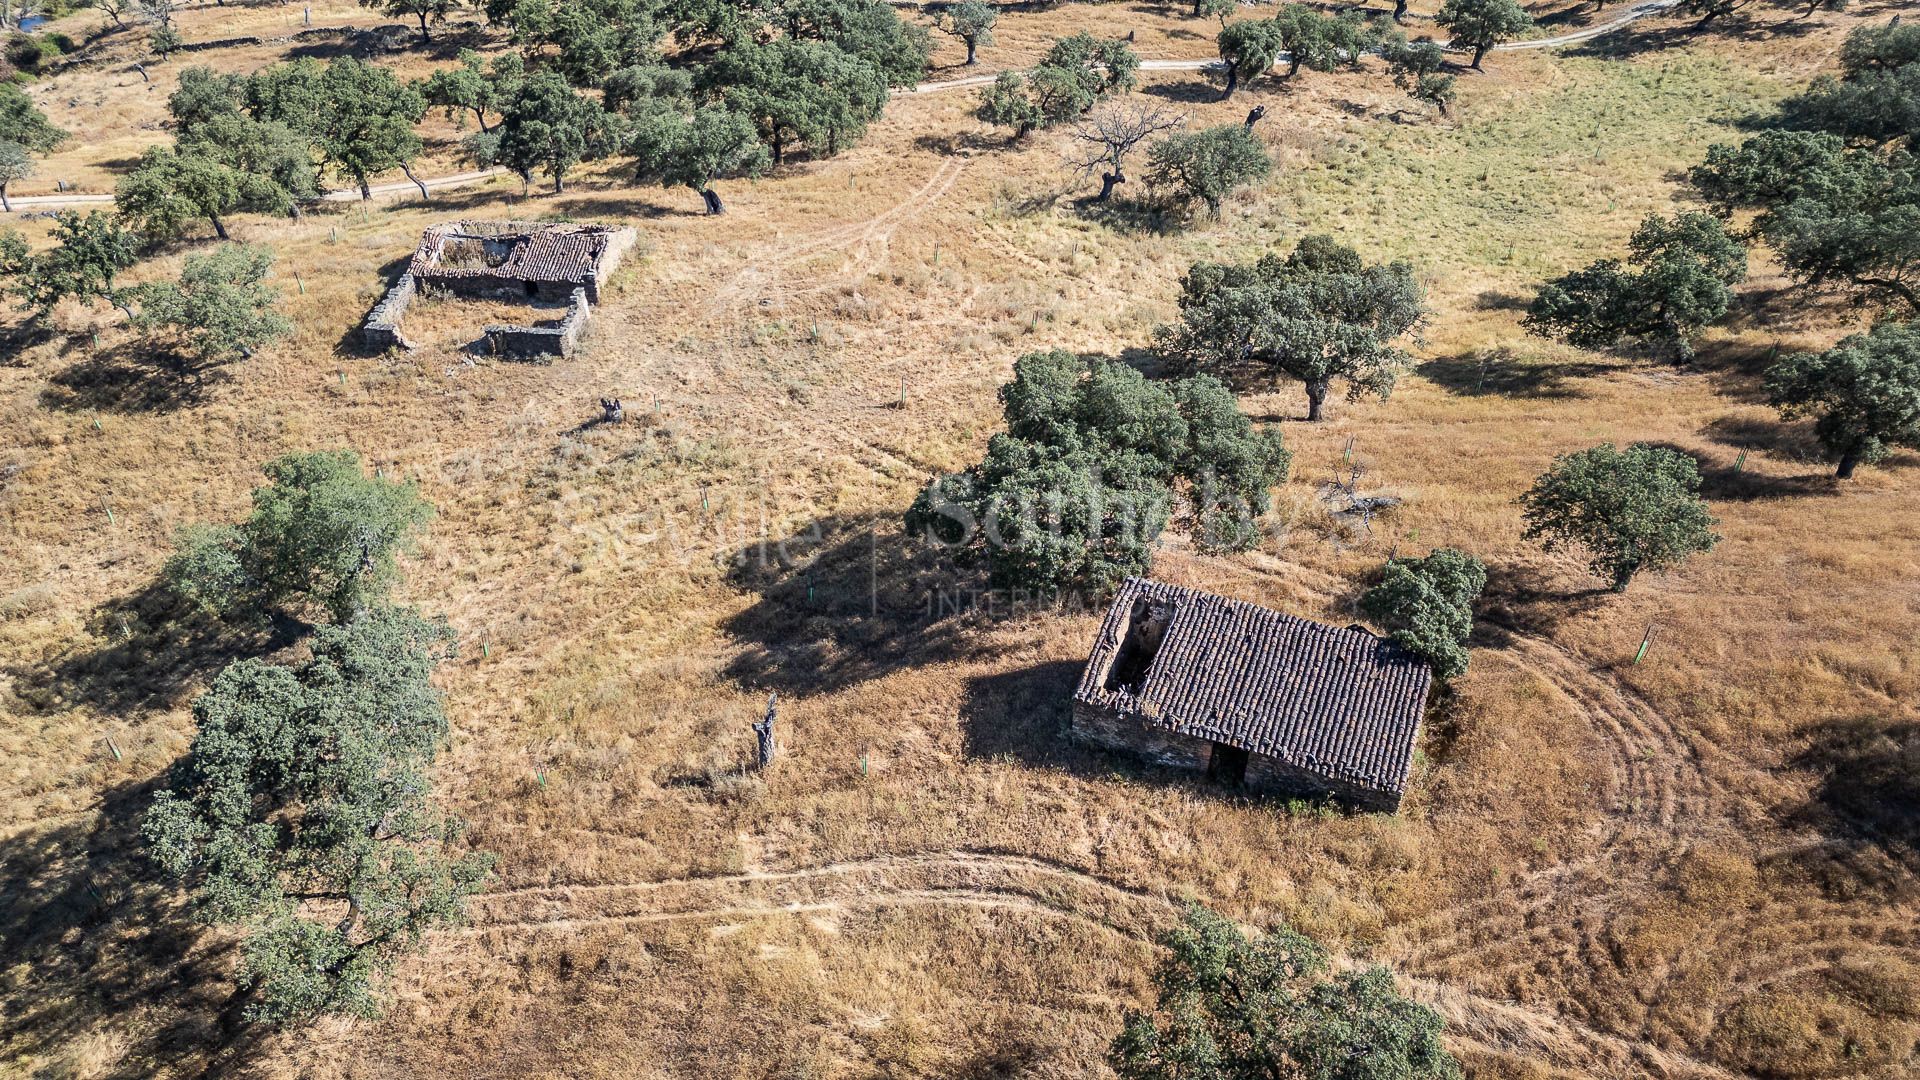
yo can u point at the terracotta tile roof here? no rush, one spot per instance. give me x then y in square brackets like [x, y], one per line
[1341, 703]
[523, 251]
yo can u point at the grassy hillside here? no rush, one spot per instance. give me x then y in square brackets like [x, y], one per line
[1696, 866]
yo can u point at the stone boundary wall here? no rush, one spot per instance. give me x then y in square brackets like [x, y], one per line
[541, 344]
[381, 330]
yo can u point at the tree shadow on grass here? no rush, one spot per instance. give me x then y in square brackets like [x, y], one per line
[1500, 300]
[370, 43]
[959, 142]
[113, 957]
[16, 338]
[1137, 217]
[1633, 41]
[1568, 20]
[1786, 310]
[846, 600]
[1143, 360]
[1730, 480]
[148, 651]
[1866, 802]
[1524, 599]
[1190, 91]
[1499, 373]
[133, 377]
[1795, 441]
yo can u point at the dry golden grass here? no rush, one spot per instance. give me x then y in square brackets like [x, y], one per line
[1602, 870]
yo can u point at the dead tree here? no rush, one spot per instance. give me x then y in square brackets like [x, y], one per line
[1348, 505]
[763, 734]
[1102, 141]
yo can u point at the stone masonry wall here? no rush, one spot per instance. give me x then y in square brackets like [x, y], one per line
[1269, 774]
[1116, 731]
[1266, 775]
[381, 330]
[542, 343]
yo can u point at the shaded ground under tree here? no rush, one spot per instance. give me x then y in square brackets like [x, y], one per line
[112, 953]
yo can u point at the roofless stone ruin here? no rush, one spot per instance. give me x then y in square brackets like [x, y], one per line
[506, 260]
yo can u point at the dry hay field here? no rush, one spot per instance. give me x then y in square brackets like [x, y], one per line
[1702, 865]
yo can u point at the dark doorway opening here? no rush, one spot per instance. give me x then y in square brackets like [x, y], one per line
[1228, 765]
[532, 288]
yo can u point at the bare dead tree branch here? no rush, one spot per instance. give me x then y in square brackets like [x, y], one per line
[1102, 141]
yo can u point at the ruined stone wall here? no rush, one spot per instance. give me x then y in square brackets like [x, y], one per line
[381, 330]
[619, 242]
[541, 344]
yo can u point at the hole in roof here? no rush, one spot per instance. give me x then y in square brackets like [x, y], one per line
[1146, 631]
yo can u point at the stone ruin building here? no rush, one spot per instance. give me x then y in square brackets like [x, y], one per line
[506, 260]
[1258, 699]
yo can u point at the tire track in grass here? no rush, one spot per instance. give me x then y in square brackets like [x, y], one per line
[1020, 885]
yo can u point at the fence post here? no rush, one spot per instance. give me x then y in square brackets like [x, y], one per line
[1645, 644]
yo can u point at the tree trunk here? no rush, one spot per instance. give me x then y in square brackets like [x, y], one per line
[973, 46]
[4, 203]
[480, 114]
[1479, 54]
[778, 145]
[1316, 397]
[1196, 8]
[417, 182]
[366, 192]
[1848, 462]
[1623, 575]
[425, 38]
[1107, 183]
[1293, 65]
[1399, 11]
[219, 227]
[712, 199]
[1023, 130]
[1233, 81]
[559, 183]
